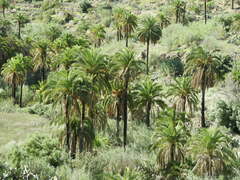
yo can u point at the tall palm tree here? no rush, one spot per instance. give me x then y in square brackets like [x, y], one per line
[127, 67]
[69, 88]
[4, 4]
[21, 20]
[148, 93]
[149, 31]
[129, 24]
[212, 151]
[170, 138]
[40, 56]
[203, 66]
[183, 94]
[98, 32]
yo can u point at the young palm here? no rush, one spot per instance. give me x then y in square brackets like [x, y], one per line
[203, 66]
[212, 152]
[98, 33]
[127, 66]
[149, 31]
[129, 24]
[21, 20]
[4, 4]
[40, 56]
[169, 139]
[183, 94]
[148, 93]
[163, 20]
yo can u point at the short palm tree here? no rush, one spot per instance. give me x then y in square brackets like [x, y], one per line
[21, 20]
[149, 31]
[14, 73]
[169, 139]
[98, 33]
[203, 66]
[163, 20]
[212, 152]
[129, 24]
[126, 65]
[40, 56]
[183, 94]
[148, 94]
[4, 4]
[118, 15]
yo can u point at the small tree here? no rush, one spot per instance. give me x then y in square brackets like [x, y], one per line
[4, 4]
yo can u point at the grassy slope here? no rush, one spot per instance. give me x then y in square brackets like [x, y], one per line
[15, 127]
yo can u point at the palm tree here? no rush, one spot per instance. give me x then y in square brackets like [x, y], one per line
[170, 138]
[148, 93]
[14, 73]
[212, 151]
[21, 20]
[69, 88]
[40, 56]
[149, 31]
[127, 67]
[129, 24]
[98, 32]
[205, 11]
[4, 4]
[183, 94]
[203, 66]
[163, 20]
[118, 15]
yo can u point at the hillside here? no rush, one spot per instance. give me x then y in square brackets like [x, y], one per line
[119, 89]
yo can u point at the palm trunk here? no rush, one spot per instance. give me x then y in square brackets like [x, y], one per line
[74, 144]
[148, 109]
[118, 116]
[14, 93]
[184, 104]
[68, 131]
[81, 144]
[21, 94]
[205, 11]
[148, 43]
[125, 112]
[19, 30]
[43, 73]
[177, 15]
[203, 89]
[127, 38]
[232, 4]
[3, 12]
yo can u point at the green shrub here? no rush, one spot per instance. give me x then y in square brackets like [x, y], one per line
[85, 6]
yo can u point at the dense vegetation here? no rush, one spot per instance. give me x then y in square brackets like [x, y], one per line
[131, 89]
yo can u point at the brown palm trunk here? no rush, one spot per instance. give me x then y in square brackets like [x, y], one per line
[127, 37]
[148, 109]
[205, 11]
[203, 89]
[74, 144]
[125, 112]
[68, 131]
[3, 12]
[148, 43]
[21, 94]
[232, 4]
[81, 139]
[19, 30]
[118, 116]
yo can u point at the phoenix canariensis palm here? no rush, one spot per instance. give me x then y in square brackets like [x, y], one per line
[163, 20]
[183, 94]
[169, 139]
[14, 73]
[21, 20]
[147, 94]
[149, 31]
[212, 151]
[40, 56]
[98, 34]
[203, 66]
[118, 15]
[129, 24]
[4, 4]
[126, 65]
